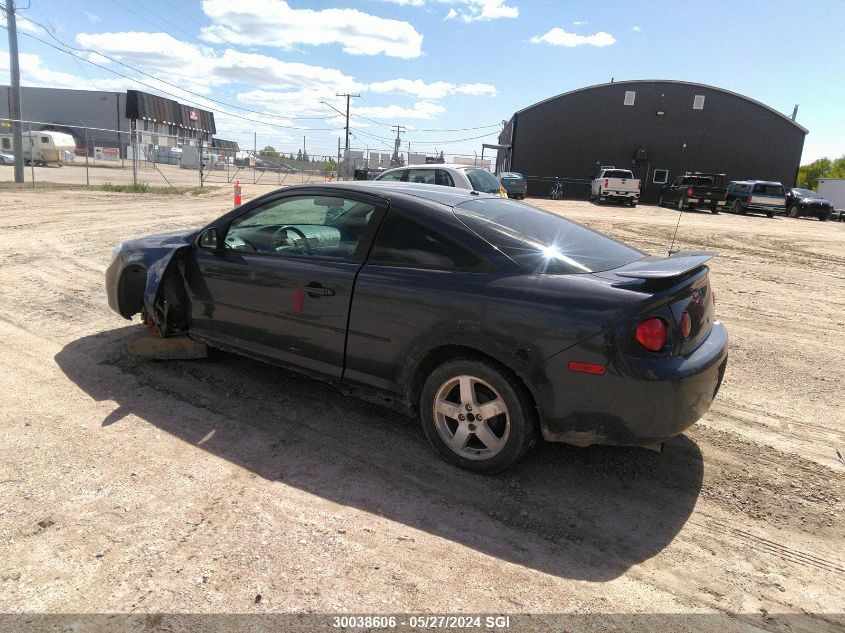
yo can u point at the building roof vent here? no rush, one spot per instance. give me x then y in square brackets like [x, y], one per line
[630, 95]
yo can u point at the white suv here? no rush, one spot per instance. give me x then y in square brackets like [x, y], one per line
[460, 176]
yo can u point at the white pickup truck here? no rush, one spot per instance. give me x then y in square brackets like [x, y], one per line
[616, 184]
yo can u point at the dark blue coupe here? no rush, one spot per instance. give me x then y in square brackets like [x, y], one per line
[491, 320]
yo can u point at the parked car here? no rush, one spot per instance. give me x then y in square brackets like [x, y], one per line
[692, 189]
[514, 184]
[615, 184]
[489, 319]
[460, 176]
[801, 202]
[759, 196]
[7, 159]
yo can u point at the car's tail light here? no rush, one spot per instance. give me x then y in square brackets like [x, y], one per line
[690, 192]
[726, 194]
[686, 324]
[605, 183]
[651, 334]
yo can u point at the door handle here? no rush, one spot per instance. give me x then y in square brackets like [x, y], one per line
[315, 289]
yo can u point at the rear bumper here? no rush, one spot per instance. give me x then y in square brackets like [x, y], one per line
[620, 195]
[637, 401]
[719, 201]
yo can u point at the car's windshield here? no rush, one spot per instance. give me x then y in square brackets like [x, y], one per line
[806, 193]
[543, 242]
[483, 180]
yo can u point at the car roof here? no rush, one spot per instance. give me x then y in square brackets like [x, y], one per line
[434, 166]
[450, 196]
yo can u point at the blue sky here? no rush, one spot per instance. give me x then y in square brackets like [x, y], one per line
[448, 70]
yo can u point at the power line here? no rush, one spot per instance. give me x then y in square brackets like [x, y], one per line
[175, 96]
[167, 83]
[446, 142]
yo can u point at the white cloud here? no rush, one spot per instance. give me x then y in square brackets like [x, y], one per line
[469, 10]
[34, 73]
[558, 37]
[274, 23]
[92, 17]
[636, 29]
[156, 53]
[580, 22]
[420, 110]
[200, 69]
[22, 23]
[436, 90]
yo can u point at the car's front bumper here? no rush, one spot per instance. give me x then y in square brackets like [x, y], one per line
[637, 401]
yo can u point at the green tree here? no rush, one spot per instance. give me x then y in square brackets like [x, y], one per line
[299, 155]
[268, 152]
[808, 175]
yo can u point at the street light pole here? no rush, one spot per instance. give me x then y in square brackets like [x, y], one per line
[15, 90]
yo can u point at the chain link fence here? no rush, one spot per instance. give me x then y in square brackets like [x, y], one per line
[100, 157]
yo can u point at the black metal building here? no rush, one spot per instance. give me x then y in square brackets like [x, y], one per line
[658, 129]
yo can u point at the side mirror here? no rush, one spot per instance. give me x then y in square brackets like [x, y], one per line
[210, 239]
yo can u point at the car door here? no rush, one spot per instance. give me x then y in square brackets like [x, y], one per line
[671, 194]
[417, 284]
[282, 284]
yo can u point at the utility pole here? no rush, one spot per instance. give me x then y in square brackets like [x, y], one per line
[346, 146]
[394, 160]
[15, 90]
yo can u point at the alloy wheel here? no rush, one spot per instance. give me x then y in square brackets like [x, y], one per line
[471, 417]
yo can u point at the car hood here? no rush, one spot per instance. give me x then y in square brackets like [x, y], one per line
[173, 239]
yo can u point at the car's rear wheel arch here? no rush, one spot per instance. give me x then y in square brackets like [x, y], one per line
[130, 290]
[445, 353]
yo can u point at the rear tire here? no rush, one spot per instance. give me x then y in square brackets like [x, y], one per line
[714, 208]
[794, 211]
[770, 214]
[464, 388]
[824, 217]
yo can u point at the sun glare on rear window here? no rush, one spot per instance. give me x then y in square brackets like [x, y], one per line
[543, 242]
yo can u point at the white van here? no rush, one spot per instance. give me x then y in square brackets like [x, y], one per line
[43, 147]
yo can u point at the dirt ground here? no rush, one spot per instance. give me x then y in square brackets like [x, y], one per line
[196, 486]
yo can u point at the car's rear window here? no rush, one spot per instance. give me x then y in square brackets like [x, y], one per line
[543, 242]
[483, 180]
[618, 173]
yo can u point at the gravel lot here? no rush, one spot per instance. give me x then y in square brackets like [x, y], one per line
[195, 486]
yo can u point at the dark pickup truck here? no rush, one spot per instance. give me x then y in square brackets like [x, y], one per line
[694, 188]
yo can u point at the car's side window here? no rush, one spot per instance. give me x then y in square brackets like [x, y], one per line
[405, 243]
[302, 226]
[444, 178]
[393, 176]
[424, 176]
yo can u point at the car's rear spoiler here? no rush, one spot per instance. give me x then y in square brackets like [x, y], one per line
[675, 265]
